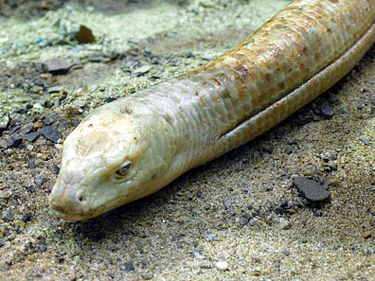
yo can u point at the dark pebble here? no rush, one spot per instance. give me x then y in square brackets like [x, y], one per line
[128, 266]
[2, 242]
[317, 213]
[32, 165]
[55, 168]
[51, 119]
[58, 66]
[31, 137]
[110, 99]
[26, 129]
[311, 189]
[26, 216]
[39, 180]
[51, 133]
[22, 110]
[286, 252]
[325, 110]
[341, 111]
[14, 141]
[84, 35]
[7, 214]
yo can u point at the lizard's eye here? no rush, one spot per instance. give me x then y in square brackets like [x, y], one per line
[123, 170]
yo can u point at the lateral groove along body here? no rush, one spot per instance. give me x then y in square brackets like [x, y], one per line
[134, 146]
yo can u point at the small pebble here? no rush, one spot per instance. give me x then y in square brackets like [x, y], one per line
[147, 276]
[128, 266]
[51, 119]
[4, 122]
[311, 189]
[7, 214]
[51, 133]
[58, 66]
[39, 180]
[43, 248]
[222, 265]
[364, 140]
[142, 70]
[20, 223]
[84, 35]
[284, 224]
[31, 137]
[14, 141]
[26, 216]
[326, 111]
[38, 125]
[205, 265]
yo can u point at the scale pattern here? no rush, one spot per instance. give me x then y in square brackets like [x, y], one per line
[189, 120]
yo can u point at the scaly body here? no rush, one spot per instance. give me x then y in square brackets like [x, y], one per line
[134, 146]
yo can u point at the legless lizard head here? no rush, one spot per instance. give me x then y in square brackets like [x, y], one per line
[107, 161]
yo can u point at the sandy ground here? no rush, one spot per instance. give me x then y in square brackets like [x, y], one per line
[241, 210]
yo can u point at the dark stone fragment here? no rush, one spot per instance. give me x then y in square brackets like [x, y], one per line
[311, 189]
[7, 215]
[22, 110]
[110, 99]
[84, 35]
[26, 129]
[286, 252]
[14, 129]
[26, 216]
[14, 141]
[55, 168]
[32, 165]
[58, 66]
[317, 213]
[2, 242]
[31, 137]
[51, 133]
[51, 119]
[128, 266]
[325, 110]
[341, 111]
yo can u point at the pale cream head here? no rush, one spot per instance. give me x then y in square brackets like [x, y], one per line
[107, 161]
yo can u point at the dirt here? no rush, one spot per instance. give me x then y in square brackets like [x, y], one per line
[237, 218]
